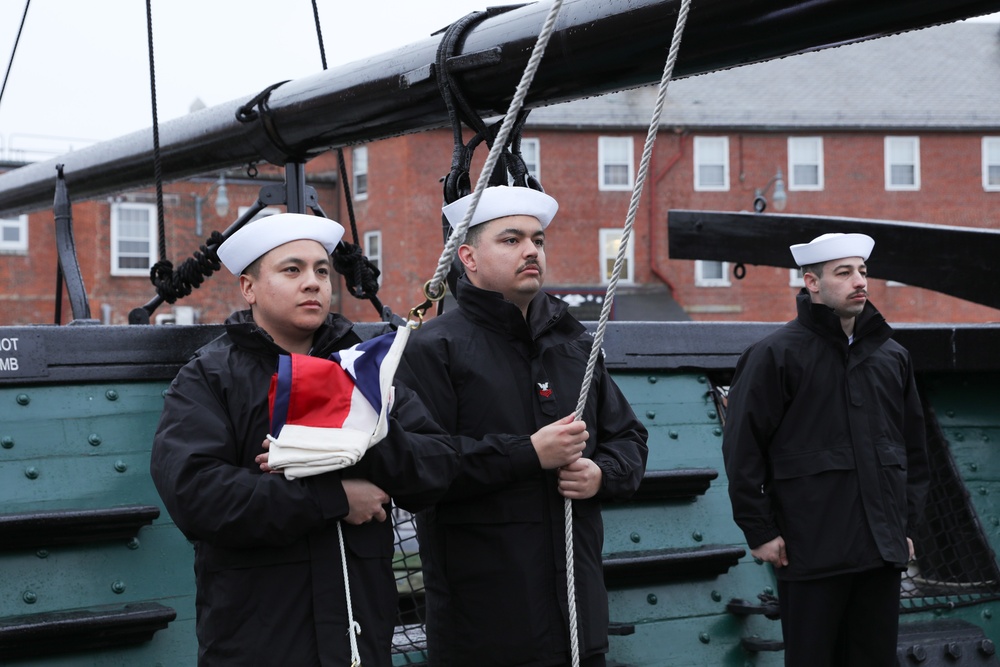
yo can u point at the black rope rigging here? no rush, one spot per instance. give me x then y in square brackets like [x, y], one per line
[172, 285]
[510, 167]
[14, 50]
[349, 260]
[157, 169]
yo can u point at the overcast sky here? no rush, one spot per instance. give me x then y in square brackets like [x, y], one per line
[81, 72]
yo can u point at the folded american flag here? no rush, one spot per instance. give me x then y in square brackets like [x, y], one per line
[326, 413]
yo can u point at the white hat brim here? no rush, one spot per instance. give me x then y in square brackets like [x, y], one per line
[832, 246]
[501, 201]
[260, 236]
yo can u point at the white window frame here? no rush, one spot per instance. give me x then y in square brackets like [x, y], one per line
[703, 145]
[796, 147]
[20, 223]
[116, 210]
[892, 141]
[604, 145]
[359, 168]
[795, 278]
[263, 213]
[699, 274]
[532, 145]
[990, 145]
[606, 238]
[374, 257]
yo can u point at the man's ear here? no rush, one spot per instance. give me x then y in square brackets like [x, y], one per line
[247, 289]
[811, 281]
[467, 255]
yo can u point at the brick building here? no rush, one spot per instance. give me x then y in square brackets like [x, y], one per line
[903, 128]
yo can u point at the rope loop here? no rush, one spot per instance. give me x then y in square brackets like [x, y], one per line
[360, 275]
[172, 285]
[247, 113]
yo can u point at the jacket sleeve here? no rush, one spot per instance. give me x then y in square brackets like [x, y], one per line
[207, 477]
[417, 461]
[754, 410]
[917, 465]
[486, 464]
[621, 449]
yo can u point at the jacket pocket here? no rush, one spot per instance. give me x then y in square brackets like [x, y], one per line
[814, 462]
[891, 454]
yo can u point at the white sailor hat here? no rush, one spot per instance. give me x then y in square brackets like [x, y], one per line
[832, 246]
[265, 234]
[500, 201]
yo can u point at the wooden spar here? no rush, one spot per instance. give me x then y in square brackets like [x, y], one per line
[598, 47]
[959, 261]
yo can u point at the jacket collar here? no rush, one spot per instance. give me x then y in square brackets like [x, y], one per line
[821, 319]
[491, 310]
[244, 332]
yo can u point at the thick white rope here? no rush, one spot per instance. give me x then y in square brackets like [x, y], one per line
[353, 627]
[436, 284]
[640, 180]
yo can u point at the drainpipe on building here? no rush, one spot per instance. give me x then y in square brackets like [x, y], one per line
[654, 264]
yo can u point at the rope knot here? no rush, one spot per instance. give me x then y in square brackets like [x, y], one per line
[360, 275]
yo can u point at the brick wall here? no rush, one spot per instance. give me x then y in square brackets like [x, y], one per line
[405, 193]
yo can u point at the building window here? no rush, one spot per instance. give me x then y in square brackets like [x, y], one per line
[611, 240]
[133, 238]
[991, 163]
[709, 273]
[795, 278]
[614, 157]
[531, 152]
[359, 167]
[805, 163]
[902, 163]
[373, 251]
[14, 234]
[263, 213]
[711, 163]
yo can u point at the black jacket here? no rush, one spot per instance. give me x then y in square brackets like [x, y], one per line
[270, 588]
[824, 444]
[493, 551]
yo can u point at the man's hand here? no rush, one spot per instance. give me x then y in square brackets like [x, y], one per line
[913, 555]
[560, 443]
[580, 479]
[365, 500]
[772, 552]
[261, 459]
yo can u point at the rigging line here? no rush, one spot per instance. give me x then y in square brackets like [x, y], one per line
[157, 170]
[365, 292]
[595, 349]
[435, 284]
[319, 34]
[640, 180]
[14, 50]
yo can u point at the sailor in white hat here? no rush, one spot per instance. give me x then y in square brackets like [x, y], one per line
[504, 246]
[825, 452]
[255, 238]
[835, 273]
[283, 263]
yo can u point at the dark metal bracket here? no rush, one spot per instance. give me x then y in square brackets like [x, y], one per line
[68, 268]
[82, 629]
[33, 530]
[669, 564]
[675, 484]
